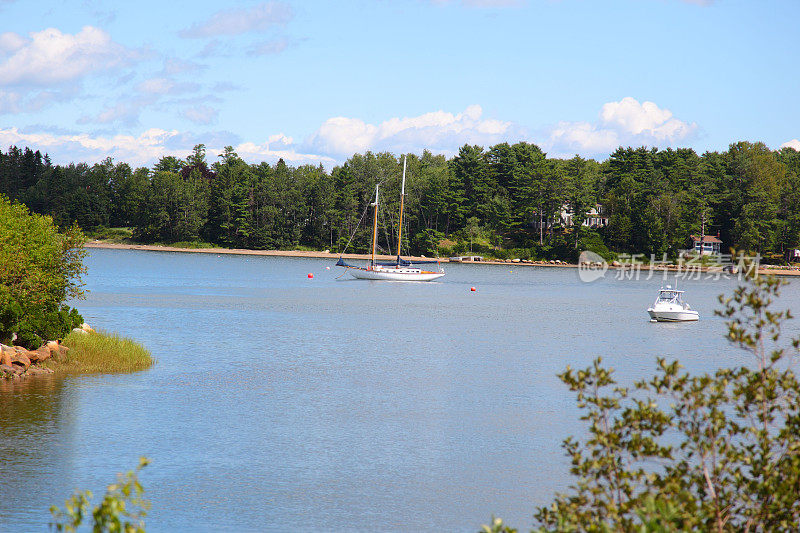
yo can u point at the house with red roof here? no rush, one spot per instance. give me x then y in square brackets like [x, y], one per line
[706, 245]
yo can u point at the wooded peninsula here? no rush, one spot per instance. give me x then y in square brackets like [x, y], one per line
[505, 201]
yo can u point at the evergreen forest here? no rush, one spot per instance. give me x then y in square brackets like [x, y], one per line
[504, 201]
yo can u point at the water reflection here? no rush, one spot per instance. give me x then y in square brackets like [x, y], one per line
[33, 443]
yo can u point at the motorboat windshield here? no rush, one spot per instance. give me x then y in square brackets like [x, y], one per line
[669, 296]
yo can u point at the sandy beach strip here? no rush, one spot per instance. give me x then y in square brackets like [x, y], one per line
[329, 255]
[242, 251]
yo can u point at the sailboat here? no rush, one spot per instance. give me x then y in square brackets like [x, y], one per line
[400, 269]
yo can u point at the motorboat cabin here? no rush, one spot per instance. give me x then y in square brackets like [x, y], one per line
[670, 307]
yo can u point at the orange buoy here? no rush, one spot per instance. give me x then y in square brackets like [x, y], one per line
[310, 275]
[473, 289]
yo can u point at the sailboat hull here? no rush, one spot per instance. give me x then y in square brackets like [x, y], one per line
[392, 274]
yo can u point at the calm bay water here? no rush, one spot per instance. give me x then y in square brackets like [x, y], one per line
[280, 402]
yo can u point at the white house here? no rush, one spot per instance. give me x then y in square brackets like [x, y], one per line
[593, 218]
[708, 245]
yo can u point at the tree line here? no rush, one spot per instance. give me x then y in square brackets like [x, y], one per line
[504, 199]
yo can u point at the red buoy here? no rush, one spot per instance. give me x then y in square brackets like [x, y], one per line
[473, 289]
[310, 275]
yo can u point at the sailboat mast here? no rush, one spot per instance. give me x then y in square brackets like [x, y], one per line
[402, 196]
[375, 226]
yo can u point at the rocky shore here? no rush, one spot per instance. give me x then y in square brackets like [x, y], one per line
[17, 362]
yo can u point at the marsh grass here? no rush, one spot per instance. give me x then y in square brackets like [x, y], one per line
[101, 352]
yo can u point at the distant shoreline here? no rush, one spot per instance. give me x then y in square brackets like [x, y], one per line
[329, 255]
[239, 251]
[307, 253]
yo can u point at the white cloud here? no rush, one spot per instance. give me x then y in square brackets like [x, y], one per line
[627, 122]
[279, 146]
[147, 147]
[224, 86]
[156, 86]
[645, 118]
[337, 139]
[50, 56]
[438, 131]
[120, 111]
[582, 137]
[32, 100]
[201, 114]
[162, 86]
[126, 112]
[173, 66]
[633, 116]
[794, 143]
[239, 21]
[10, 42]
[9, 102]
[274, 46]
[341, 135]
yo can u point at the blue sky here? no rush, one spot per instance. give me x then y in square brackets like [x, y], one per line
[315, 82]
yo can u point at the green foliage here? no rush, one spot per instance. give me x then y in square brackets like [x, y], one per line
[426, 242]
[40, 268]
[36, 328]
[655, 199]
[497, 526]
[592, 241]
[691, 452]
[110, 234]
[10, 314]
[173, 209]
[122, 509]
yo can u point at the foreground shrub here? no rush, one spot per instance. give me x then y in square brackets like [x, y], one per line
[35, 329]
[720, 448]
[40, 269]
[122, 510]
[678, 452]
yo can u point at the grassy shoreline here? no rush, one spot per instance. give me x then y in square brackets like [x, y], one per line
[101, 353]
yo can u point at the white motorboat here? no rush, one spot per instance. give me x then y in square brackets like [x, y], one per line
[400, 269]
[670, 307]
